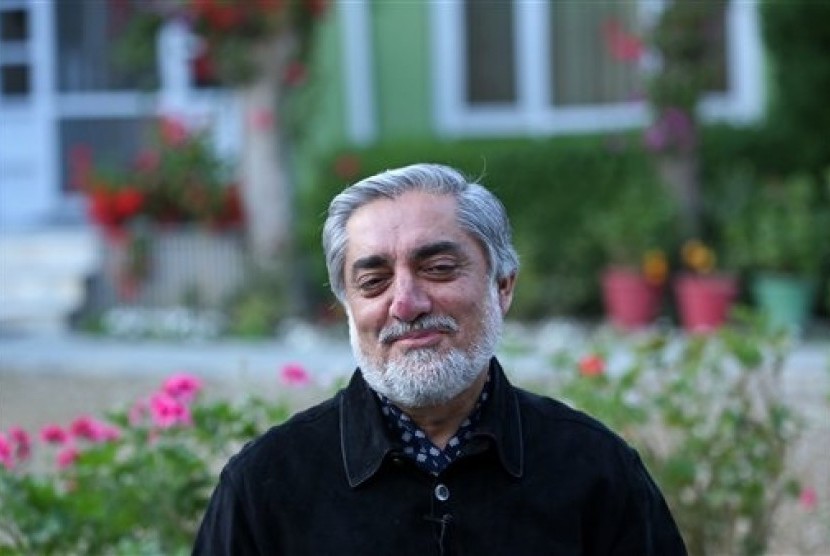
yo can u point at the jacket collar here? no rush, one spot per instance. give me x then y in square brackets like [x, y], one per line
[364, 440]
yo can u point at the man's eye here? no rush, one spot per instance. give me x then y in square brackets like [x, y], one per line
[370, 283]
[441, 269]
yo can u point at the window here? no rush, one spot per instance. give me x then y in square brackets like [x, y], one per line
[490, 52]
[86, 48]
[606, 67]
[516, 67]
[15, 78]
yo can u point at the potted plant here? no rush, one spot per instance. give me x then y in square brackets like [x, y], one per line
[176, 193]
[632, 233]
[704, 294]
[780, 238]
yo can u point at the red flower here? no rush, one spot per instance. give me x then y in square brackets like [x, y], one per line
[294, 374]
[53, 434]
[95, 431]
[67, 456]
[21, 441]
[127, 202]
[80, 167]
[173, 131]
[204, 68]
[232, 213]
[316, 7]
[808, 499]
[167, 411]
[592, 365]
[182, 387]
[6, 459]
[295, 74]
[261, 119]
[137, 412]
[101, 208]
[347, 166]
[218, 15]
[621, 45]
[147, 160]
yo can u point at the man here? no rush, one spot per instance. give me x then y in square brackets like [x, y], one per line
[430, 450]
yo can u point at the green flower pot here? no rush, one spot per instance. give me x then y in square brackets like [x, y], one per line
[786, 300]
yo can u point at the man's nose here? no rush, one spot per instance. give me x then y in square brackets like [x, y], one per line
[409, 300]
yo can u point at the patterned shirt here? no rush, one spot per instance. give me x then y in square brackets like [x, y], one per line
[418, 447]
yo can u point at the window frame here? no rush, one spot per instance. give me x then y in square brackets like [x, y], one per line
[534, 114]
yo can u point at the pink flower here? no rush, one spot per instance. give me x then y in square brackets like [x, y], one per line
[673, 130]
[261, 119]
[148, 160]
[592, 365]
[347, 166]
[137, 412]
[293, 374]
[168, 411]
[173, 131]
[182, 386]
[53, 434]
[21, 441]
[6, 458]
[621, 45]
[808, 499]
[95, 431]
[295, 74]
[67, 456]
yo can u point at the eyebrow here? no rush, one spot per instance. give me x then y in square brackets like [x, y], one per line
[437, 248]
[421, 253]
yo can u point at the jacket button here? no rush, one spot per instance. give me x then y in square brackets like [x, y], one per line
[442, 493]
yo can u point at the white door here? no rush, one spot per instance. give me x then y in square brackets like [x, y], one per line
[27, 148]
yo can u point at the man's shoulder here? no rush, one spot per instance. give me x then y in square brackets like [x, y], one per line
[561, 419]
[308, 429]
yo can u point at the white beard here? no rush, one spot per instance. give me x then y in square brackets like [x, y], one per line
[426, 377]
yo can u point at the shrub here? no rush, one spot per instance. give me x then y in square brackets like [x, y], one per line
[706, 414]
[135, 483]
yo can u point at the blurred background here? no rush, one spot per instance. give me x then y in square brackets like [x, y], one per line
[166, 165]
[165, 154]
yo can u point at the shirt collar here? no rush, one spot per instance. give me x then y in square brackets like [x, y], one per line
[365, 441]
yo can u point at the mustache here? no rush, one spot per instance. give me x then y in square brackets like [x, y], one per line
[396, 331]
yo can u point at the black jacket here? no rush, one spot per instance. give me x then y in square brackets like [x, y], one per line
[537, 478]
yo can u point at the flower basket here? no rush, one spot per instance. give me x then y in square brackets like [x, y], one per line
[704, 302]
[180, 265]
[177, 187]
[786, 300]
[631, 300]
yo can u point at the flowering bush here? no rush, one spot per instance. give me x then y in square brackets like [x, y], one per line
[229, 31]
[698, 257]
[178, 179]
[136, 482]
[706, 414]
[780, 226]
[635, 230]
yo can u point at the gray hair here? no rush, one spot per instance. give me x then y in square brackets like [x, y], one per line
[479, 212]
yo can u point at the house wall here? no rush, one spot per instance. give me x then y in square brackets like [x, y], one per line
[401, 38]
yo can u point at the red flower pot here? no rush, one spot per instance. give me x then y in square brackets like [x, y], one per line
[703, 302]
[631, 302]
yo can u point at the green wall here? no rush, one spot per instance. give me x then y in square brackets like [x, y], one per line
[400, 45]
[319, 109]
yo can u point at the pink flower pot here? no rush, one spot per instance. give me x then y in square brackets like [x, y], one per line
[631, 302]
[704, 302]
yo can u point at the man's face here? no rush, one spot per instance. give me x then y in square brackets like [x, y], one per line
[424, 317]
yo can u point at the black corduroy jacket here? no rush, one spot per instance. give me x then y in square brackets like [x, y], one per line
[537, 478]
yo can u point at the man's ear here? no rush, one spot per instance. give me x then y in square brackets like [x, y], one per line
[505, 287]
